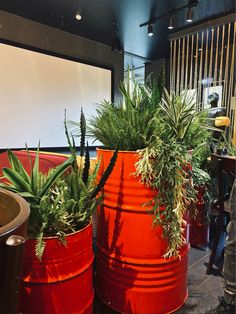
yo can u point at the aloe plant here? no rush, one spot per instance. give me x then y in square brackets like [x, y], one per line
[61, 202]
[72, 200]
[34, 186]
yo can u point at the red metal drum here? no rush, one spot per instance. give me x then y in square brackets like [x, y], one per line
[62, 283]
[199, 226]
[131, 274]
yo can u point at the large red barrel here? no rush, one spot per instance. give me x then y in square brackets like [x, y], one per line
[132, 276]
[63, 281]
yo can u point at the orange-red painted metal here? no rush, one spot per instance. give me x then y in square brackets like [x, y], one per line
[131, 275]
[63, 281]
[199, 226]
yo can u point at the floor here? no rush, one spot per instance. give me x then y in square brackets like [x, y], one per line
[203, 289]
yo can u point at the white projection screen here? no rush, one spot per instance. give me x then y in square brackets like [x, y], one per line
[35, 89]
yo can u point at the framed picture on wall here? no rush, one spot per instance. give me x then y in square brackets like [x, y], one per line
[212, 96]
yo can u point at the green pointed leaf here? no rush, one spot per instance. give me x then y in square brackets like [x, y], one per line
[26, 195]
[35, 172]
[58, 171]
[85, 174]
[16, 180]
[17, 166]
[82, 132]
[105, 175]
[8, 187]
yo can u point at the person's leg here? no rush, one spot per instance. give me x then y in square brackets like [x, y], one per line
[227, 302]
[229, 270]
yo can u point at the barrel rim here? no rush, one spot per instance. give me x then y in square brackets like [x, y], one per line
[119, 151]
[48, 238]
[20, 219]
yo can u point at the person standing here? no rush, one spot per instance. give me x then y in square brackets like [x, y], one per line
[227, 302]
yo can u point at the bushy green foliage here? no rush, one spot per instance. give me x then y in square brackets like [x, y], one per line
[165, 164]
[130, 123]
[225, 143]
[162, 128]
[183, 121]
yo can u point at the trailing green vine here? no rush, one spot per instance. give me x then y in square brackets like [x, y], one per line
[164, 167]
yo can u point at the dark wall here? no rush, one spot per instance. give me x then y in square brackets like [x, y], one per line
[25, 32]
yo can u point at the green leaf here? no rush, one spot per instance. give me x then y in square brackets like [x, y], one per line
[17, 166]
[16, 180]
[85, 174]
[82, 132]
[40, 246]
[27, 195]
[35, 173]
[105, 175]
[55, 174]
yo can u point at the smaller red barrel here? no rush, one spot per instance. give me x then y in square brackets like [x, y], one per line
[63, 281]
[199, 226]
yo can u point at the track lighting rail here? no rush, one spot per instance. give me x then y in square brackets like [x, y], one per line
[152, 20]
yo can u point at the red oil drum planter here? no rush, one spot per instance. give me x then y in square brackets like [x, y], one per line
[63, 281]
[131, 274]
[199, 228]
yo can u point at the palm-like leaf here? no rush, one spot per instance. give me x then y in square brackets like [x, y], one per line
[130, 123]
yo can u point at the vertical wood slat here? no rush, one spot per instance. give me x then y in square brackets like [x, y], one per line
[174, 66]
[211, 53]
[222, 53]
[171, 67]
[232, 69]
[200, 70]
[226, 84]
[182, 65]
[196, 63]
[205, 73]
[216, 56]
[187, 65]
[206, 55]
[178, 69]
[191, 64]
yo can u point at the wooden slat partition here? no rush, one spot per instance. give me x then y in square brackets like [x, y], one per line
[204, 60]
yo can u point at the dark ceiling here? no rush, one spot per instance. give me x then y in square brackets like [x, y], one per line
[99, 16]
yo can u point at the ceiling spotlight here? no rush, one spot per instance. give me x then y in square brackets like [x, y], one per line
[189, 15]
[171, 23]
[150, 30]
[78, 15]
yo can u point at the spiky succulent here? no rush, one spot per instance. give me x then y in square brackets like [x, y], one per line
[62, 201]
